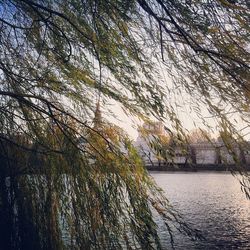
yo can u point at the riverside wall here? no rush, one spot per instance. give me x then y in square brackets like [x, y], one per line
[198, 167]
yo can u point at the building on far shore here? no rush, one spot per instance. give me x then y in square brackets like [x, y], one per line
[205, 153]
[202, 153]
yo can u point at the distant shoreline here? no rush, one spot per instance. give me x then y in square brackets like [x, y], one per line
[197, 167]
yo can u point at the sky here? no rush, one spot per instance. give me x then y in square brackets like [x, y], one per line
[129, 124]
[185, 106]
[188, 118]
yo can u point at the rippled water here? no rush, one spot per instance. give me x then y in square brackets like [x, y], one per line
[214, 203]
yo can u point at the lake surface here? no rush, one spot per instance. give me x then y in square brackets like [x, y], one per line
[214, 203]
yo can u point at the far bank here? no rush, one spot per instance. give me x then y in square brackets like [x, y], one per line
[198, 167]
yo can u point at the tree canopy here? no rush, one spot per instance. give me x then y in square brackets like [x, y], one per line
[57, 60]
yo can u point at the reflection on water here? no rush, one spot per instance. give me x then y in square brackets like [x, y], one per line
[214, 203]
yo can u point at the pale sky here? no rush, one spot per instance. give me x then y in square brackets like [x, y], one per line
[185, 110]
[189, 119]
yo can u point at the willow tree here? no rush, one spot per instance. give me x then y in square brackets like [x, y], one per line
[67, 183]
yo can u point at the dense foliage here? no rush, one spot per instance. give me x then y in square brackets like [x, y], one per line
[68, 183]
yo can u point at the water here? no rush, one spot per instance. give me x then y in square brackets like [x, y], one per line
[214, 203]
